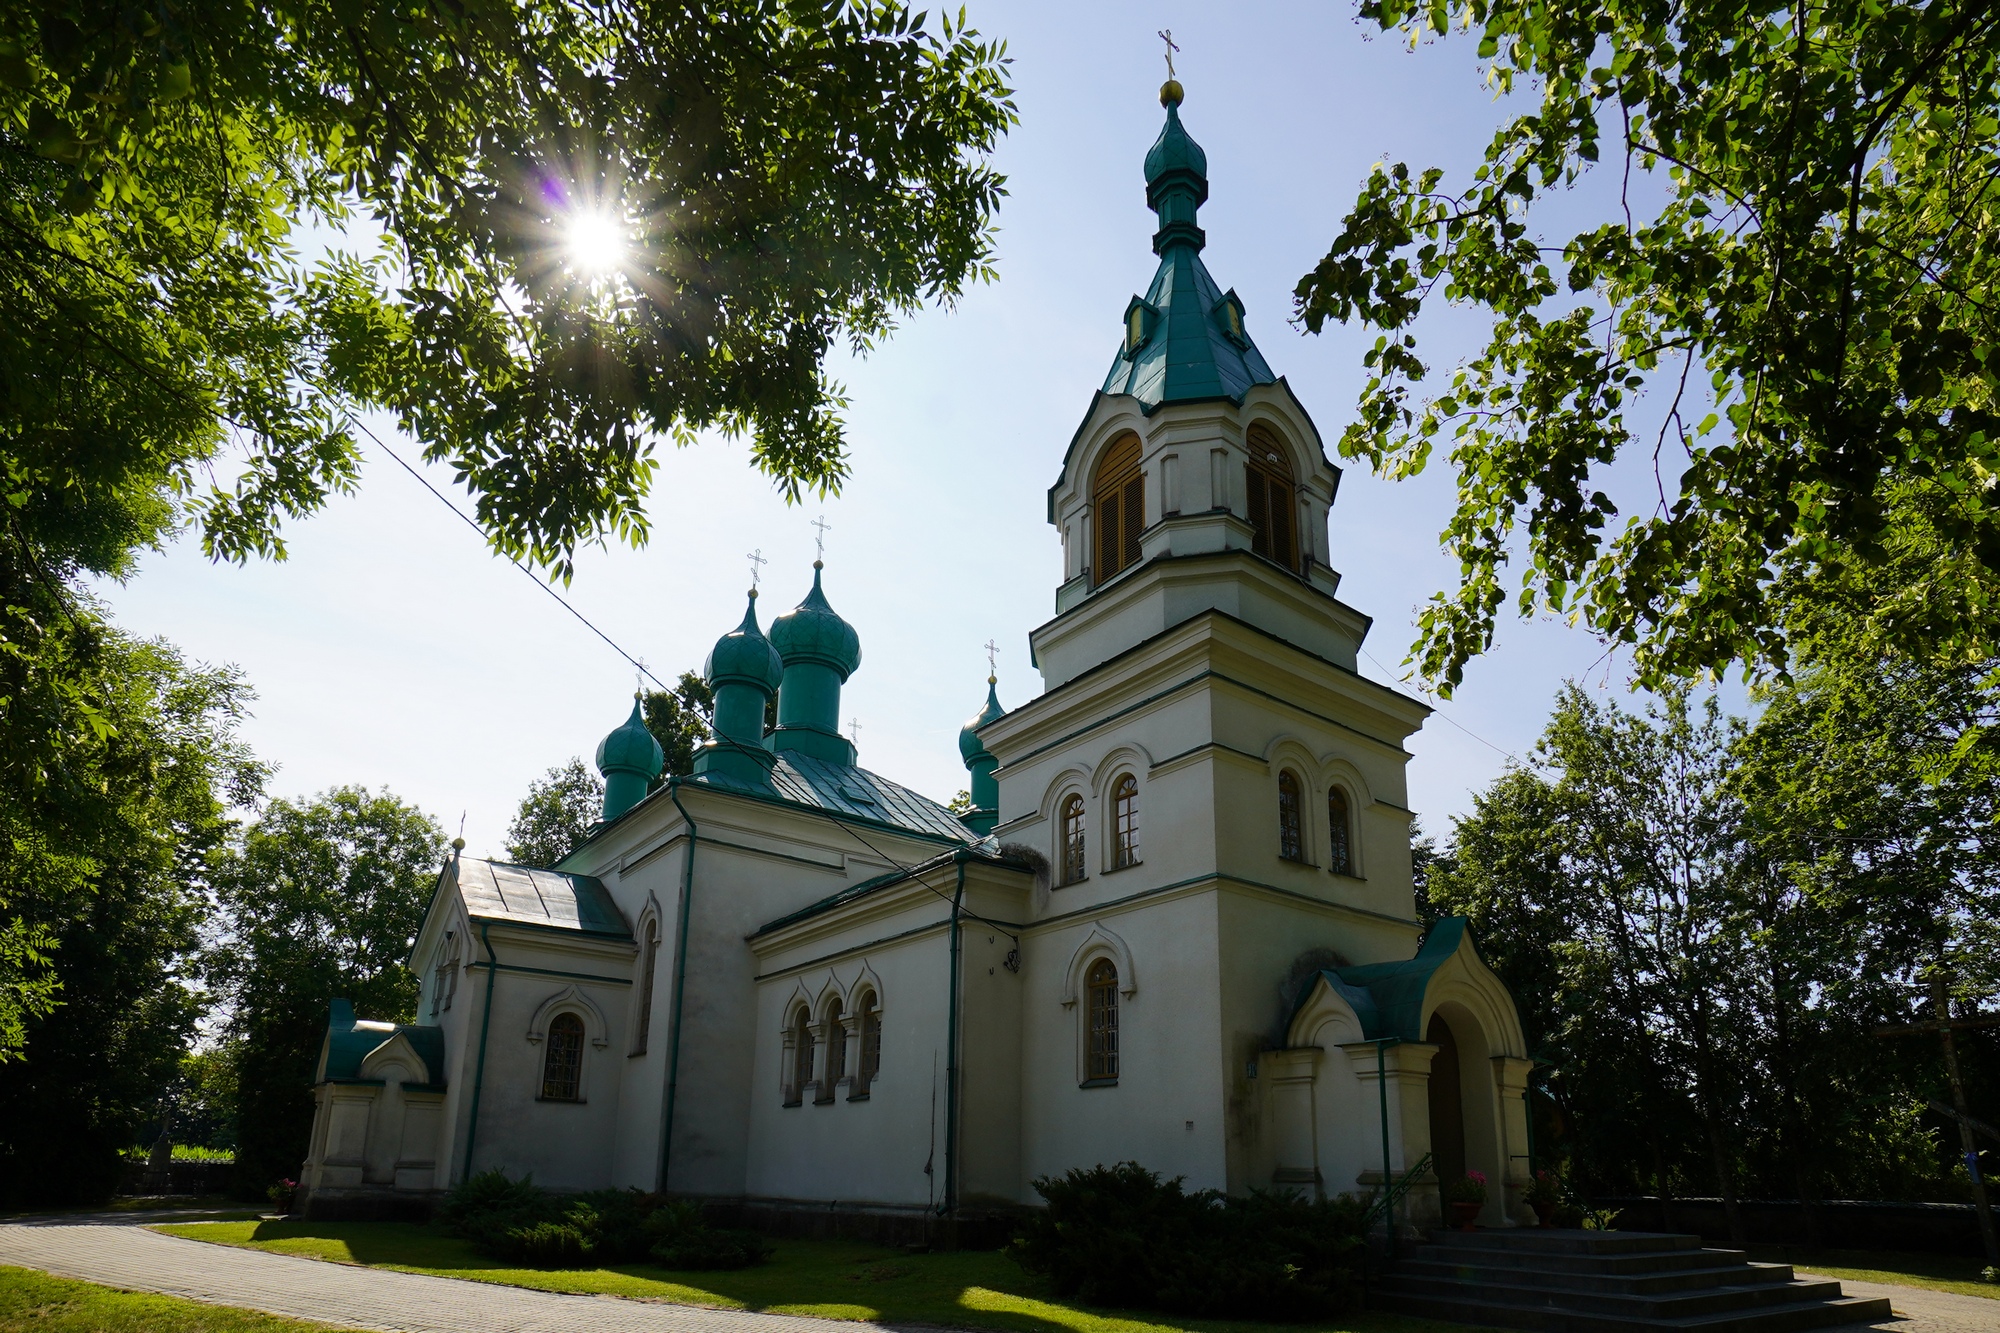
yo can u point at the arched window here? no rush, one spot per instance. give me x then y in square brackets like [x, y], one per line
[1125, 822]
[1339, 847]
[1073, 867]
[1291, 838]
[867, 1026]
[649, 958]
[1273, 506]
[1118, 508]
[562, 1063]
[802, 1057]
[836, 1053]
[1102, 984]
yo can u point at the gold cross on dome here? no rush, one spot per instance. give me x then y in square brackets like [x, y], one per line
[819, 543]
[992, 659]
[1167, 36]
[757, 563]
[854, 725]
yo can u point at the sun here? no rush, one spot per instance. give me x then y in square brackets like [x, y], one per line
[595, 243]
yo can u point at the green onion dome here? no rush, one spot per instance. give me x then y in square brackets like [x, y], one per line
[812, 632]
[1175, 149]
[970, 747]
[744, 656]
[631, 748]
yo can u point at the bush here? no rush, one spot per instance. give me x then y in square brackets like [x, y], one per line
[1122, 1236]
[516, 1222]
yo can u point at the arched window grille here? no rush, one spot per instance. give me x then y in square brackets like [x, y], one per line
[1101, 982]
[1125, 822]
[562, 1062]
[649, 959]
[1073, 867]
[836, 1052]
[1339, 847]
[802, 1057]
[868, 1027]
[1272, 499]
[1291, 837]
[1118, 508]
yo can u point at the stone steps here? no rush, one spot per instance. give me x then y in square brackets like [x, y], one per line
[1608, 1282]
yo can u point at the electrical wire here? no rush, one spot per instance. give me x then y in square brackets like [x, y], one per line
[1444, 715]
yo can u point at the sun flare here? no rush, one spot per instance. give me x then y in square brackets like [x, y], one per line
[595, 242]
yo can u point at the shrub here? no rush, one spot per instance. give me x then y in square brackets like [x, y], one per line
[1122, 1236]
[514, 1221]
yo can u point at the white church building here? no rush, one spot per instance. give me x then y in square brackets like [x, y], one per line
[1178, 926]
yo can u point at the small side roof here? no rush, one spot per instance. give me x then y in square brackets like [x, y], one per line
[350, 1041]
[848, 793]
[1388, 998]
[532, 896]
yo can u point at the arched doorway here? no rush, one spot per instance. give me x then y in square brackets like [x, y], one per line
[1447, 1103]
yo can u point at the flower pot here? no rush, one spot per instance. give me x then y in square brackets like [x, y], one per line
[1463, 1215]
[1545, 1212]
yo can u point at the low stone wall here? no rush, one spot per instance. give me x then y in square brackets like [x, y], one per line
[181, 1178]
[1838, 1224]
[366, 1205]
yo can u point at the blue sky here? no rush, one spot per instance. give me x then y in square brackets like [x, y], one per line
[392, 649]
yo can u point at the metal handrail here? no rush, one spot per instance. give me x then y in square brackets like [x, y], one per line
[1394, 1193]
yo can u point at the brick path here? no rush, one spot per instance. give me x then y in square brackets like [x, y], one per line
[1920, 1310]
[141, 1260]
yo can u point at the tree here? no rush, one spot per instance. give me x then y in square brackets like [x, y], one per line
[557, 814]
[680, 719]
[322, 900]
[1796, 269]
[122, 908]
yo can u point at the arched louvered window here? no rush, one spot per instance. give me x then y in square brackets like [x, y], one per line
[1125, 822]
[562, 1062]
[649, 958]
[836, 1052]
[1118, 508]
[1071, 852]
[1101, 982]
[1272, 499]
[1339, 847]
[1291, 839]
[868, 1027]
[802, 1057]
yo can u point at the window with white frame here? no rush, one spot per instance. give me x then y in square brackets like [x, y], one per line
[1124, 822]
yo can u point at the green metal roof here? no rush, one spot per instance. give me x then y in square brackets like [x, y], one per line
[868, 886]
[1388, 998]
[744, 655]
[813, 631]
[350, 1041]
[847, 793]
[631, 748]
[531, 896]
[970, 747]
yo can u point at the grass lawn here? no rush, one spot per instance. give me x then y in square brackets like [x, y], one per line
[32, 1302]
[1938, 1272]
[831, 1279]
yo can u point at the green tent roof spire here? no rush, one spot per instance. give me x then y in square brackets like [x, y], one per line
[1185, 340]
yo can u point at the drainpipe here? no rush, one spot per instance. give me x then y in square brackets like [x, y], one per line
[951, 1054]
[680, 987]
[1382, 1044]
[479, 1071]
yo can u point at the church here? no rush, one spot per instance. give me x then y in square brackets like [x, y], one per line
[1176, 927]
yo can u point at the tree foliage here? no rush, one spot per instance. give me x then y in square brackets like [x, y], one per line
[1794, 274]
[121, 907]
[556, 815]
[322, 900]
[1704, 921]
[679, 720]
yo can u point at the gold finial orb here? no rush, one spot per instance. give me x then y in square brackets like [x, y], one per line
[1171, 93]
[458, 844]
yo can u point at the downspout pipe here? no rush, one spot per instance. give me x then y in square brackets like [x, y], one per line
[479, 1070]
[680, 987]
[1382, 1044]
[951, 1050]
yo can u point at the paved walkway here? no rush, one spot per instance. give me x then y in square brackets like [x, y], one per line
[141, 1260]
[1920, 1310]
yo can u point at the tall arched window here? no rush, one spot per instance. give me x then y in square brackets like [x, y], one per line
[836, 1052]
[1291, 838]
[1272, 499]
[1125, 822]
[649, 958]
[802, 1057]
[1073, 867]
[1102, 984]
[562, 1062]
[1339, 847]
[867, 1026]
[1118, 508]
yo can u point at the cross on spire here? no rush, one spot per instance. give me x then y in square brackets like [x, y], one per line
[819, 542]
[1167, 36]
[638, 677]
[992, 662]
[757, 563]
[854, 725]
